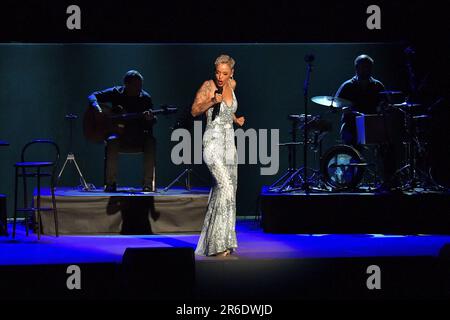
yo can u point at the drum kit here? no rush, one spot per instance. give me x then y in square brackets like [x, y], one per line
[343, 167]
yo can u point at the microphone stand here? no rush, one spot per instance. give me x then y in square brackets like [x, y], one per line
[309, 58]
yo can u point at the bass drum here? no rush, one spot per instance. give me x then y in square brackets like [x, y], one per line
[342, 167]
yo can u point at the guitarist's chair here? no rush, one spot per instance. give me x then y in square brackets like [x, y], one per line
[113, 141]
[36, 169]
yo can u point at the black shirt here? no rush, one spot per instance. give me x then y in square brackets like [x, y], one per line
[364, 99]
[116, 96]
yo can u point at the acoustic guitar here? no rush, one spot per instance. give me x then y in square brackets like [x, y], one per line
[98, 126]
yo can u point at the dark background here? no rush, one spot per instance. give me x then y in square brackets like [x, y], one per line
[47, 71]
[223, 21]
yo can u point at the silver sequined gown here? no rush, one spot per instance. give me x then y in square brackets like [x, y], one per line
[219, 152]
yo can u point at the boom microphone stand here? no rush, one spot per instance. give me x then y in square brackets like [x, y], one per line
[290, 184]
[309, 58]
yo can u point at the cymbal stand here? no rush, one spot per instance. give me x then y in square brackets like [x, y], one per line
[410, 176]
[292, 167]
[295, 179]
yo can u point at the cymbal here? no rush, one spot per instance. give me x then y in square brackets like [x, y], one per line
[391, 92]
[333, 102]
[406, 104]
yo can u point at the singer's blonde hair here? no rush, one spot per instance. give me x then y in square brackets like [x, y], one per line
[223, 58]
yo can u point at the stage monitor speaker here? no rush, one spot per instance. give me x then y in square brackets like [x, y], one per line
[444, 253]
[158, 273]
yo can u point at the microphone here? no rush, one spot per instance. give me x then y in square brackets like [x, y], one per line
[219, 90]
[216, 107]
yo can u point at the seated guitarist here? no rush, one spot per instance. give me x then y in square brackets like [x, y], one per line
[136, 135]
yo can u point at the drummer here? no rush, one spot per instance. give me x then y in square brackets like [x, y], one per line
[364, 93]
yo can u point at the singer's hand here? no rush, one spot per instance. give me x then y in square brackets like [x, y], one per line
[240, 121]
[218, 98]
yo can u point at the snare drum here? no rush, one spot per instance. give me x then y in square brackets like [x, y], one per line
[380, 128]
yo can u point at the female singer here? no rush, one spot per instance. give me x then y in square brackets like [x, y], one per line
[216, 98]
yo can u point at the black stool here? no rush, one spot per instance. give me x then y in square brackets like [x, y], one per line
[39, 170]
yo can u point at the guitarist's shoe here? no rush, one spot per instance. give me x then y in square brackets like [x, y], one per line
[111, 187]
[148, 189]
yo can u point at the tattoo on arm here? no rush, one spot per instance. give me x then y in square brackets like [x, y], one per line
[204, 90]
[203, 94]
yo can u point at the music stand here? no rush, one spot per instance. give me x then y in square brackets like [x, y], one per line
[71, 156]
